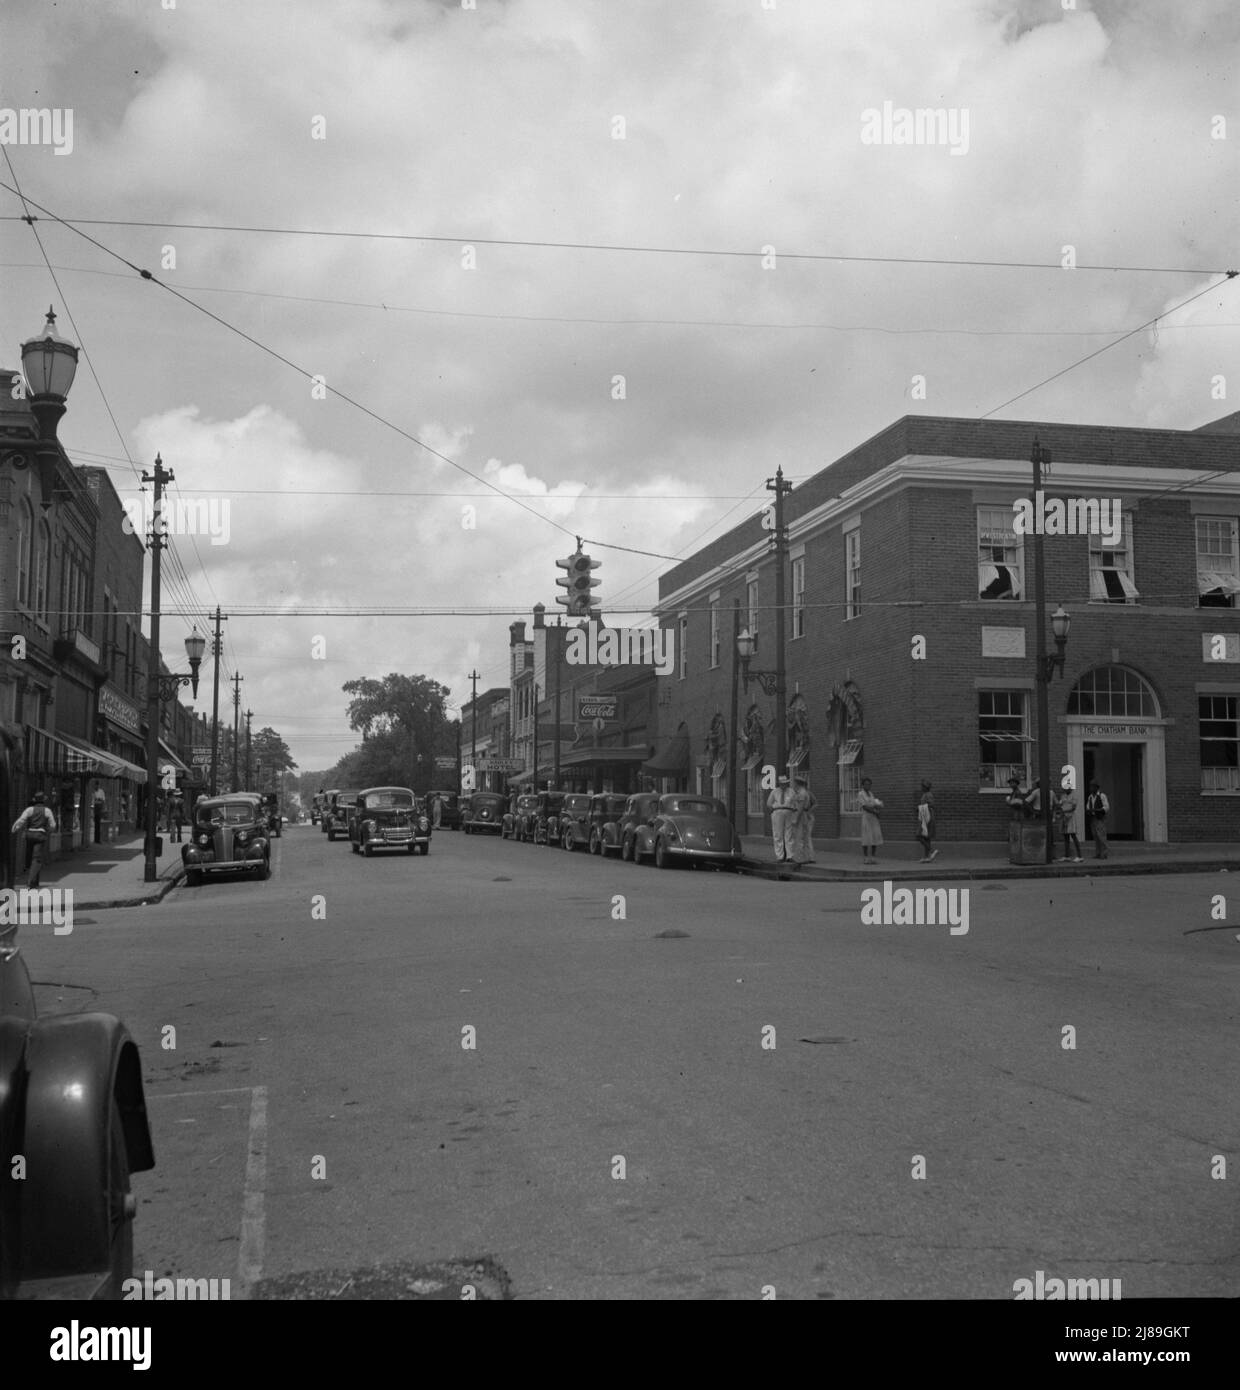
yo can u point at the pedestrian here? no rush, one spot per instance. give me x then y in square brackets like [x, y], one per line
[1033, 800]
[782, 805]
[925, 824]
[99, 801]
[437, 811]
[36, 823]
[871, 827]
[1016, 798]
[176, 816]
[125, 810]
[1065, 813]
[805, 803]
[1097, 808]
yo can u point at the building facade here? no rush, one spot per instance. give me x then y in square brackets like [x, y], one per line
[910, 641]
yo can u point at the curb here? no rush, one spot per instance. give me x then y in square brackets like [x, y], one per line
[768, 870]
[164, 885]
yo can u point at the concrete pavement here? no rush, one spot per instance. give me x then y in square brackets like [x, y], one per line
[113, 874]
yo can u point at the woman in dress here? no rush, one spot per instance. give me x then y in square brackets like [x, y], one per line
[925, 824]
[805, 803]
[871, 828]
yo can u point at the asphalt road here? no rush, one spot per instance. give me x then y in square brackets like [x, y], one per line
[620, 1130]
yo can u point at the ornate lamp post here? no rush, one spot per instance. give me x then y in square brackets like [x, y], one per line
[768, 680]
[49, 364]
[161, 689]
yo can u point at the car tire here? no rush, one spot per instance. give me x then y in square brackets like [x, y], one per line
[567, 842]
[424, 850]
[331, 833]
[413, 849]
[265, 872]
[625, 849]
[661, 858]
[353, 846]
[193, 878]
[593, 846]
[369, 852]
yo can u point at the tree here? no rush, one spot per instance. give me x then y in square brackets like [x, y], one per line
[403, 726]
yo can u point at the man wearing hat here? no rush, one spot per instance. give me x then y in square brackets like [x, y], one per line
[782, 805]
[1016, 798]
[38, 823]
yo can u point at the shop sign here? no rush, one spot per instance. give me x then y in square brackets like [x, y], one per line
[1115, 730]
[114, 706]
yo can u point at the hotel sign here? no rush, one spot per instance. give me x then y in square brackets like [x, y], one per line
[1123, 730]
[115, 707]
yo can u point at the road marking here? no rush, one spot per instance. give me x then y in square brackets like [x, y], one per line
[179, 1095]
[253, 1214]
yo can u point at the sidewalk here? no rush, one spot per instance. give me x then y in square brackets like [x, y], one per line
[840, 861]
[111, 874]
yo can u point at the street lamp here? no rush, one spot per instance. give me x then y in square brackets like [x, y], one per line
[162, 689]
[768, 680]
[49, 363]
[1061, 621]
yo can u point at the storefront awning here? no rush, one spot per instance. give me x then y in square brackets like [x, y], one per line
[106, 764]
[603, 757]
[1210, 580]
[673, 761]
[171, 757]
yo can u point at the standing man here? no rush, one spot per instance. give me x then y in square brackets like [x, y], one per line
[1096, 809]
[99, 801]
[782, 805]
[38, 823]
[805, 803]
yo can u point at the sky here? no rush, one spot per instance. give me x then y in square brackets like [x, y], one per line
[616, 260]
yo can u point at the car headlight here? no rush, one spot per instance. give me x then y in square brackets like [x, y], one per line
[423, 823]
[204, 839]
[671, 832]
[242, 836]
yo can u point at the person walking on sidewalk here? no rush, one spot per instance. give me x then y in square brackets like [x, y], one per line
[782, 805]
[99, 801]
[925, 824]
[805, 803]
[35, 824]
[176, 816]
[1065, 819]
[871, 827]
[1097, 808]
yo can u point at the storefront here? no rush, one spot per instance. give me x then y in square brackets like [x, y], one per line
[120, 734]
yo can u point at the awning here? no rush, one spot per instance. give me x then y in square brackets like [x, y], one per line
[752, 761]
[849, 752]
[47, 753]
[1210, 580]
[673, 761]
[718, 767]
[584, 757]
[172, 757]
[106, 764]
[798, 755]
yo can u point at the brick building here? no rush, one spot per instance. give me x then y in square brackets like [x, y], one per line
[910, 640]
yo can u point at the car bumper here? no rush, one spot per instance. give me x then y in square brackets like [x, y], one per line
[391, 841]
[718, 856]
[209, 864]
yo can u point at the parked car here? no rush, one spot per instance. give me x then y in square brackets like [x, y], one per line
[449, 812]
[389, 818]
[640, 809]
[271, 806]
[482, 813]
[688, 827]
[572, 825]
[229, 836]
[343, 804]
[546, 813]
[73, 1109]
[324, 800]
[606, 809]
[518, 823]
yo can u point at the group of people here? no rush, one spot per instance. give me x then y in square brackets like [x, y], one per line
[871, 809]
[1028, 805]
[792, 821]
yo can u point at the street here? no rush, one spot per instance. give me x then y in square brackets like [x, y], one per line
[710, 1087]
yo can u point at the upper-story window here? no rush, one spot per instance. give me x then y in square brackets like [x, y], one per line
[25, 551]
[751, 601]
[1000, 555]
[42, 569]
[1110, 567]
[1218, 562]
[798, 596]
[714, 630]
[682, 656]
[852, 573]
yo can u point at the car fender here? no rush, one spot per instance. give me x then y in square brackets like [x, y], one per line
[76, 1064]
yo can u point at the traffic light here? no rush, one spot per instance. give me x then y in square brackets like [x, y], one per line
[578, 601]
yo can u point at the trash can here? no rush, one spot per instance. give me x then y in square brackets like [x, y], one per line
[1027, 842]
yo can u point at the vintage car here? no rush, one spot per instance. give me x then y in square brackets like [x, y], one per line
[275, 818]
[606, 809]
[572, 825]
[449, 809]
[229, 836]
[324, 800]
[518, 822]
[546, 814]
[72, 1109]
[640, 809]
[389, 818]
[482, 813]
[316, 808]
[690, 828]
[338, 814]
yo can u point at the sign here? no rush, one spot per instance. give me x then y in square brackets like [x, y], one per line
[591, 707]
[445, 764]
[114, 706]
[200, 756]
[1120, 730]
[500, 765]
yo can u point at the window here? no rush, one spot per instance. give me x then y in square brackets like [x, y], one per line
[1113, 692]
[798, 597]
[1219, 721]
[1004, 743]
[25, 543]
[683, 624]
[714, 631]
[1000, 556]
[850, 788]
[1218, 562]
[755, 802]
[751, 601]
[852, 573]
[42, 569]
[1110, 567]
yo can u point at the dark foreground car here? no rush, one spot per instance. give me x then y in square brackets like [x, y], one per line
[228, 836]
[606, 808]
[389, 818]
[72, 1108]
[690, 829]
[482, 813]
[640, 809]
[572, 825]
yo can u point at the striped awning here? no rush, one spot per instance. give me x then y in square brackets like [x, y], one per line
[798, 755]
[105, 764]
[718, 767]
[849, 752]
[49, 754]
[752, 761]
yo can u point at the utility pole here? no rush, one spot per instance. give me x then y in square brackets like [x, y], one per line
[559, 666]
[473, 737]
[215, 708]
[534, 763]
[248, 716]
[1041, 455]
[780, 542]
[734, 745]
[236, 780]
[156, 541]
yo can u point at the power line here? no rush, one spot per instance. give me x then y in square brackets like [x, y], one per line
[758, 254]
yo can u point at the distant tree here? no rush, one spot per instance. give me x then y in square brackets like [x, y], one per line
[403, 725]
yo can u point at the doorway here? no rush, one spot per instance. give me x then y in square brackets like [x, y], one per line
[1119, 769]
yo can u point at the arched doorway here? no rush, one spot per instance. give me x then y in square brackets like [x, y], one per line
[1116, 736]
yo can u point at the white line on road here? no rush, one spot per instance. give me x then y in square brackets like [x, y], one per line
[179, 1095]
[253, 1214]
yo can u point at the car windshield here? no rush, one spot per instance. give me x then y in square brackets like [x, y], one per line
[230, 813]
[388, 801]
[691, 806]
